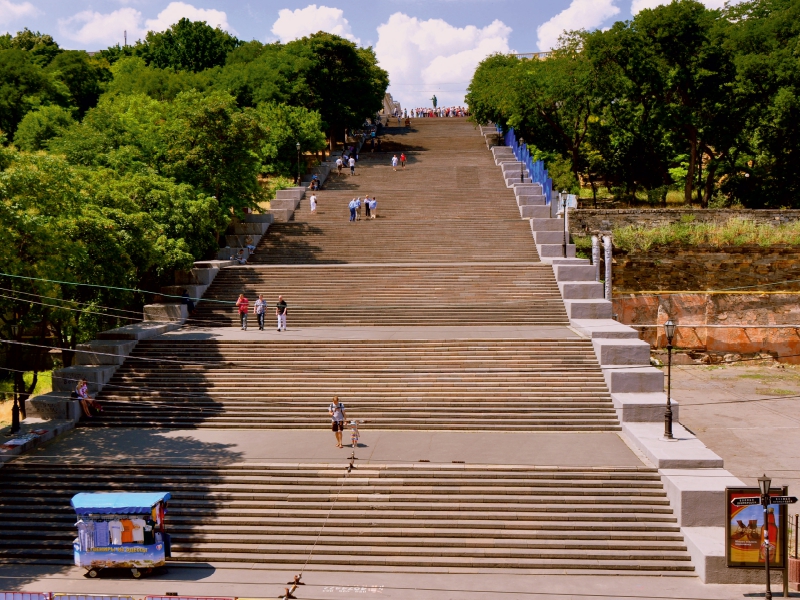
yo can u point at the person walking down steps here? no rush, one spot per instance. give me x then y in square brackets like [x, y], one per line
[352, 163]
[280, 312]
[336, 410]
[243, 304]
[394, 162]
[260, 309]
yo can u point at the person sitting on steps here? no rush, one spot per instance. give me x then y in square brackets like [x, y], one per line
[87, 403]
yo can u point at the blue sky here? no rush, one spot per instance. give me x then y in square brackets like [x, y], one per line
[428, 46]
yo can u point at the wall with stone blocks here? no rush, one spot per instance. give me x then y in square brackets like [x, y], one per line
[588, 221]
[718, 322]
[704, 268]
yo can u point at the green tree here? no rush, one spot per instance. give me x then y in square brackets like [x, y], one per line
[24, 85]
[761, 168]
[41, 47]
[187, 45]
[213, 145]
[82, 75]
[131, 75]
[284, 126]
[41, 125]
[336, 78]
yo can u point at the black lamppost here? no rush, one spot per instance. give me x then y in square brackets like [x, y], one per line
[669, 329]
[764, 484]
[15, 409]
[298, 162]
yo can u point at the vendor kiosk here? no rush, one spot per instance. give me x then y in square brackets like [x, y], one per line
[121, 530]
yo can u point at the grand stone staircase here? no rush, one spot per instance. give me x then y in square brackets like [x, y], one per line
[432, 517]
[448, 205]
[418, 294]
[494, 385]
[448, 254]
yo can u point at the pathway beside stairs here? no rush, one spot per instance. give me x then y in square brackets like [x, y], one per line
[489, 441]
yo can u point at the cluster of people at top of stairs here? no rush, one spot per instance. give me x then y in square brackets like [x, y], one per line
[260, 311]
[357, 204]
[442, 111]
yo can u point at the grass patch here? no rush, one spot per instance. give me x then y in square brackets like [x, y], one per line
[736, 232]
[43, 385]
[753, 376]
[775, 392]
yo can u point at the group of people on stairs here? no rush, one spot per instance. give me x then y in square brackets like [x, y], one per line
[357, 204]
[260, 310]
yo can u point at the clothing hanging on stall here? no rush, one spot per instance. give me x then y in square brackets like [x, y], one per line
[85, 534]
[115, 529]
[138, 530]
[101, 533]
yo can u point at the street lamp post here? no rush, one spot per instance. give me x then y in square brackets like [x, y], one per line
[764, 484]
[15, 408]
[298, 162]
[669, 329]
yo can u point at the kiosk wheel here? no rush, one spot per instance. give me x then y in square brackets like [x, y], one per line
[93, 573]
[136, 573]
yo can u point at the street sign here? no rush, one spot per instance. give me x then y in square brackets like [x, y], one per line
[746, 501]
[782, 500]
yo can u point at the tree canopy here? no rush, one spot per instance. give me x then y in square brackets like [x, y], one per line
[680, 96]
[121, 167]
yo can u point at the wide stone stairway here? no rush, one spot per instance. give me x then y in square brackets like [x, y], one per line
[440, 330]
[409, 516]
[492, 385]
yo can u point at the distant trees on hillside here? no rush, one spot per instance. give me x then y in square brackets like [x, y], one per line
[681, 96]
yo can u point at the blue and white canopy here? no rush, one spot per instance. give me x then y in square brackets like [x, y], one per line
[117, 503]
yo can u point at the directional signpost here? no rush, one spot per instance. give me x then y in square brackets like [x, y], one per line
[746, 501]
[782, 499]
[750, 500]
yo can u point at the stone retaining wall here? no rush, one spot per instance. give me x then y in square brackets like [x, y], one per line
[725, 323]
[589, 221]
[705, 268]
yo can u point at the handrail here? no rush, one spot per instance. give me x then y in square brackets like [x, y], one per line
[531, 55]
[536, 168]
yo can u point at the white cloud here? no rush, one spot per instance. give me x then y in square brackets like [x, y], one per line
[10, 12]
[427, 57]
[95, 30]
[294, 24]
[639, 5]
[176, 11]
[580, 14]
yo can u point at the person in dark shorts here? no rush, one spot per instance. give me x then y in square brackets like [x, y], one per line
[336, 410]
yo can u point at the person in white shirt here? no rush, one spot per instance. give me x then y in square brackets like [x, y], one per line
[394, 162]
[313, 203]
[339, 165]
[352, 163]
[260, 309]
[336, 410]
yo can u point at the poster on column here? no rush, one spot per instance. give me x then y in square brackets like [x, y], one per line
[746, 530]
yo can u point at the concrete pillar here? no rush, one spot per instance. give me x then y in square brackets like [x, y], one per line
[609, 257]
[596, 257]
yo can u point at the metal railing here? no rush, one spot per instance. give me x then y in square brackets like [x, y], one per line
[536, 168]
[532, 55]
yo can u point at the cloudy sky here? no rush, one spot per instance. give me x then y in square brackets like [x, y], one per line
[428, 46]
